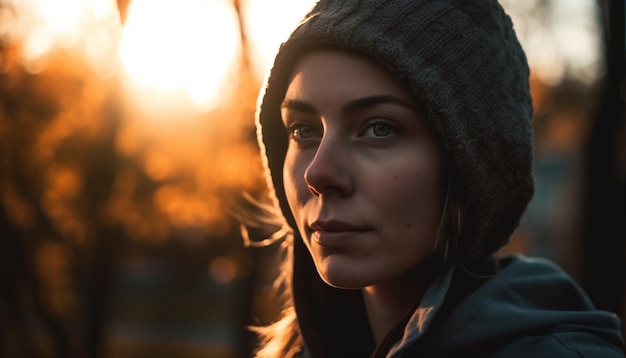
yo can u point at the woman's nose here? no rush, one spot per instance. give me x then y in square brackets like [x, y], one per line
[328, 173]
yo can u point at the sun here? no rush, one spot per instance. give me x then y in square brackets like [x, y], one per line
[179, 53]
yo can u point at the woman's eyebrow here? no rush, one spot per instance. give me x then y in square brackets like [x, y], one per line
[352, 106]
[298, 105]
[366, 102]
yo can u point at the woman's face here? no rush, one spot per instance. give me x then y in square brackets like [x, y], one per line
[364, 173]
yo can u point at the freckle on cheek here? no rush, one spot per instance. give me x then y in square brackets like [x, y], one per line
[408, 226]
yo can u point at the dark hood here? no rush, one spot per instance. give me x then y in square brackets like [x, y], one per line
[530, 308]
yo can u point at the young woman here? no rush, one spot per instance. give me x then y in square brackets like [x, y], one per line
[397, 141]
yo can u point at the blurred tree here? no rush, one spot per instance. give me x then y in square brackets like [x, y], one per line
[122, 6]
[81, 191]
[604, 219]
[58, 166]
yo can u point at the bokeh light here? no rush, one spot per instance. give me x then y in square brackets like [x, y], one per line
[89, 27]
[561, 40]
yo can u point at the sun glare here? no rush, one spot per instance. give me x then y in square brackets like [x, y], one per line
[179, 50]
[87, 27]
[268, 24]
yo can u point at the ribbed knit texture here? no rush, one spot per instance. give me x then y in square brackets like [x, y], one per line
[463, 60]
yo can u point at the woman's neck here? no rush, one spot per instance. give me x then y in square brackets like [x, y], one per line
[388, 303]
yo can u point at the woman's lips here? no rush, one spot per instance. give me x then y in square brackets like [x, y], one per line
[334, 225]
[335, 233]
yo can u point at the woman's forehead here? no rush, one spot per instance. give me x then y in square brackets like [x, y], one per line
[334, 72]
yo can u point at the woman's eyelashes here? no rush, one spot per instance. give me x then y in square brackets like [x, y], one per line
[302, 131]
[379, 128]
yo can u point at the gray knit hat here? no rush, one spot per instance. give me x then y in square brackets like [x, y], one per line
[462, 59]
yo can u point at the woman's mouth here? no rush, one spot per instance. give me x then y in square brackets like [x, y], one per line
[335, 233]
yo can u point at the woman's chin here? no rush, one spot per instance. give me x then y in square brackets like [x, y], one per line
[343, 276]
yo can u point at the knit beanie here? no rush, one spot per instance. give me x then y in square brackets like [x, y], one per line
[462, 59]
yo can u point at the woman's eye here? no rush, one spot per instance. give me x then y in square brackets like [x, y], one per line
[379, 129]
[301, 131]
